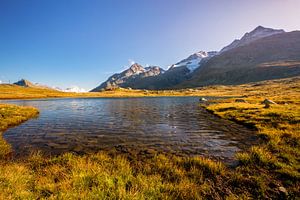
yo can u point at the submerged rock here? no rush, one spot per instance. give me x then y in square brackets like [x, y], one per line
[202, 99]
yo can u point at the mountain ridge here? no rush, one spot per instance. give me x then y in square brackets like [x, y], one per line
[238, 59]
[272, 57]
[256, 34]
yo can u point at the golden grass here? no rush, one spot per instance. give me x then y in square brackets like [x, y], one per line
[100, 176]
[11, 115]
[267, 171]
[288, 87]
[277, 158]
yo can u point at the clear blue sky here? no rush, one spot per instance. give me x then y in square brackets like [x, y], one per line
[82, 42]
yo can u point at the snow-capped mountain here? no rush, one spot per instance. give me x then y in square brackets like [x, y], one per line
[242, 61]
[75, 89]
[129, 76]
[272, 57]
[258, 33]
[194, 61]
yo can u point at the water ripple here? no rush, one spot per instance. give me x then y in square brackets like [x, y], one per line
[168, 124]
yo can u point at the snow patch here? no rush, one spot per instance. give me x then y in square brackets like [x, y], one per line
[191, 64]
[75, 89]
[193, 61]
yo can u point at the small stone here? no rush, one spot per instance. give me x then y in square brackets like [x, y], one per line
[202, 99]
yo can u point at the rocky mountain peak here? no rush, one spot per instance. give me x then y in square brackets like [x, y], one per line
[136, 68]
[135, 72]
[261, 28]
[258, 33]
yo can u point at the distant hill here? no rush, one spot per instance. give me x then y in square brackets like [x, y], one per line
[25, 83]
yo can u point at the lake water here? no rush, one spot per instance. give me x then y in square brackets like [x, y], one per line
[175, 125]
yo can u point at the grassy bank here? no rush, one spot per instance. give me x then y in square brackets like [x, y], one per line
[268, 171]
[11, 115]
[275, 162]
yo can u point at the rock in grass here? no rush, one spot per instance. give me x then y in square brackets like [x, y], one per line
[241, 101]
[268, 103]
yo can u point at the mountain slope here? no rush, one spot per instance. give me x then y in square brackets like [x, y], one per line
[275, 56]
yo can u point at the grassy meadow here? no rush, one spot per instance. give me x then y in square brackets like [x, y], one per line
[10, 91]
[270, 170]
